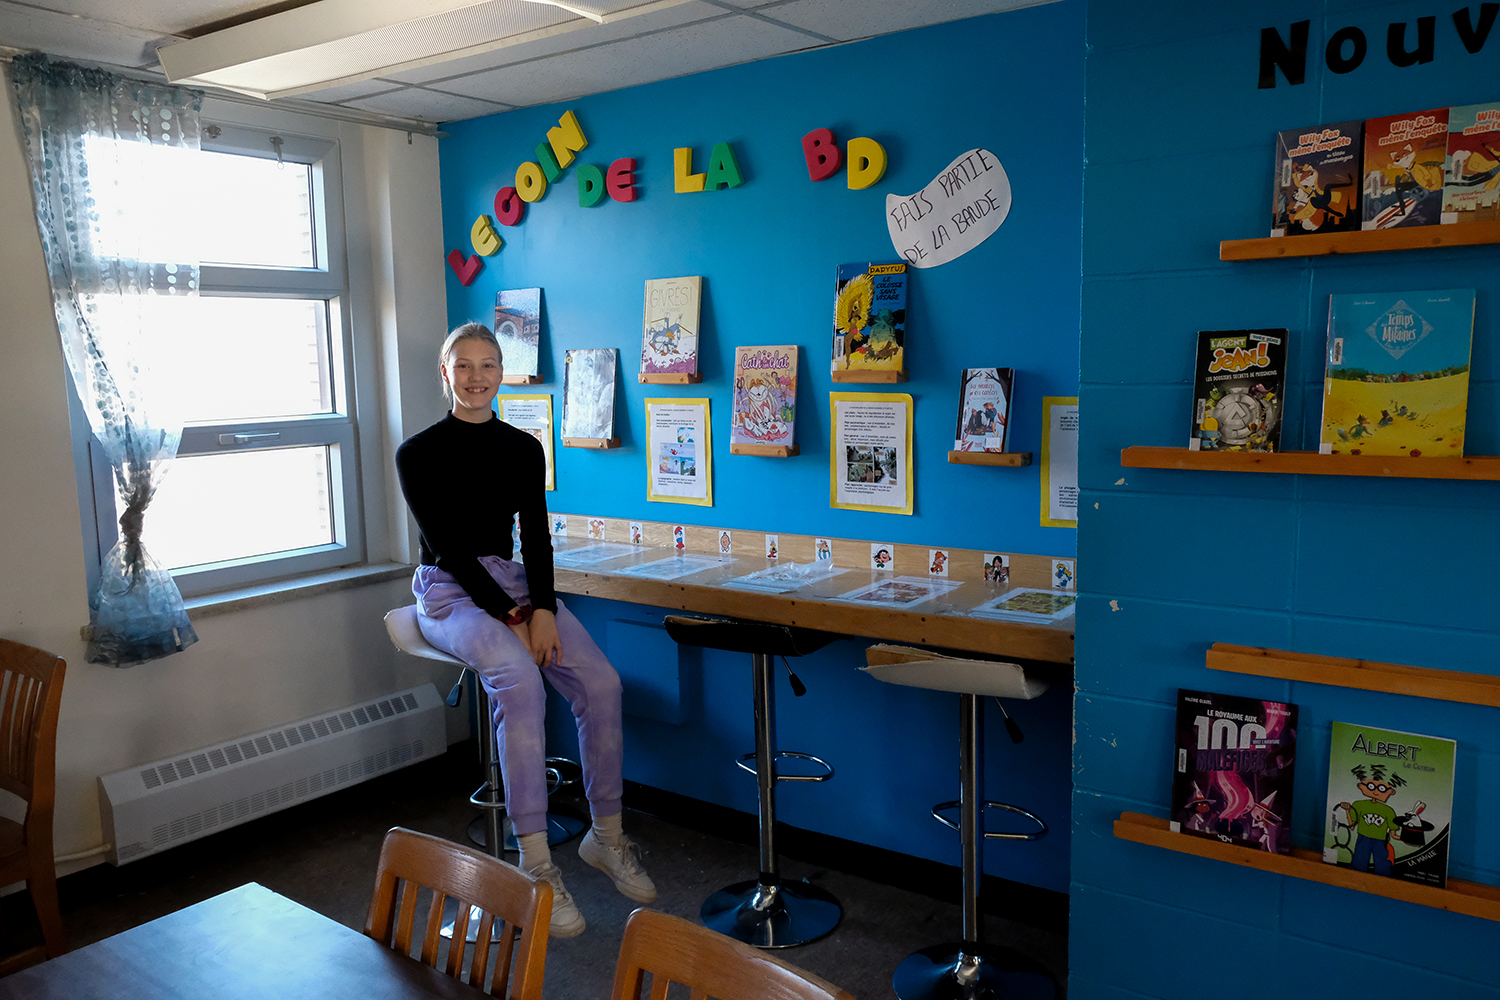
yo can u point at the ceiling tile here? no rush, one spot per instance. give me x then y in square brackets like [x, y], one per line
[428, 105]
[161, 17]
[847, 21]
[678, 52]
[76, 38]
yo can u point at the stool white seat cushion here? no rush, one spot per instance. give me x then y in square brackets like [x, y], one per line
[404, 631]
[926, 669]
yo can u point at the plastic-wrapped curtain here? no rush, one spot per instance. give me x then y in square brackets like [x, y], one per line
[104, 154]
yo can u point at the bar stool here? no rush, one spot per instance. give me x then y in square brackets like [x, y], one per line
[764, 911]
[961, 970]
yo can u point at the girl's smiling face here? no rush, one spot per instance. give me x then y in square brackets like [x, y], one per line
[473, 372]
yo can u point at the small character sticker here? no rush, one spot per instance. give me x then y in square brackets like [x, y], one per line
[773, 547]
[596, 528]
[637, 534]
[882, 555]
[679, 538]
[823, 550]
[726, 543]
[996, 568]
[937, 562]
[560, 525]
[1062, 575]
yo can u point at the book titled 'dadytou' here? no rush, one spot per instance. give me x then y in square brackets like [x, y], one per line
[1238, 385]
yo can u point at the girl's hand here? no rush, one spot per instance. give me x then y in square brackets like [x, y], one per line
[544, 644]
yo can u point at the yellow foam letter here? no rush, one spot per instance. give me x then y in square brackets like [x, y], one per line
[531, 183]
[567, 138]
[486, 241]
[866, 162]
[683, 178]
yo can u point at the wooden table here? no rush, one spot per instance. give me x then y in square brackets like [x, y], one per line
[246, 943]
[943, 621]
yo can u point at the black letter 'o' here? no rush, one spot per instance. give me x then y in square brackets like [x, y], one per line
[1334, 54]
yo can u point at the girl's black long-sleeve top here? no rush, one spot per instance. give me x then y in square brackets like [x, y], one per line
[465, 483]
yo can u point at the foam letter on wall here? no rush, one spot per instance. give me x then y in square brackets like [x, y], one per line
[486, 241]
[590, 185]
[566, 139]
[531, 183]
[866, 163]
[465, 269]
[723, 168]
[822, 152]
[621, 179]
[683, 178]
[547, 162]
[509, 208]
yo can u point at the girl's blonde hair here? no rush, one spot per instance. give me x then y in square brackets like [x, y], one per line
[472, 330]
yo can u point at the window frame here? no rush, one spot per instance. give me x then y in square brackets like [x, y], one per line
[327, 281]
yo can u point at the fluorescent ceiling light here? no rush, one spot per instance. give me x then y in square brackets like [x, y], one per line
[330, 43]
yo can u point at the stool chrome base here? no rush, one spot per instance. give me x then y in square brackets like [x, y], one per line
[561, 828]
[958, 971]
[776, 916]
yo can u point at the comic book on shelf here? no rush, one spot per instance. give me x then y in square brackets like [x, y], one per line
[589, 393]
[1397, 381]
[1316, 189]
[765, 395]
[984, 409]
[1232, 780]
[518, 328]
[1238, 387]
[1403, 179]
[869, 317]
[1472, 175]
[1390, 803]
[669, 331]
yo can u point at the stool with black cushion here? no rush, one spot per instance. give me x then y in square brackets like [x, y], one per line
[764, 911]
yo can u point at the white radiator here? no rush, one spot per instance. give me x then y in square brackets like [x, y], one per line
[151, 807]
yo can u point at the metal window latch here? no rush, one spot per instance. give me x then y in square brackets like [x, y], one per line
[276, 142]
[249, 438]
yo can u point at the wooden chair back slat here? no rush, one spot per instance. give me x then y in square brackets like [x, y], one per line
[707, 963]
[506, 896]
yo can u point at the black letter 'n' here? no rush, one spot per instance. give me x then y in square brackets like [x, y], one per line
[1292, 59]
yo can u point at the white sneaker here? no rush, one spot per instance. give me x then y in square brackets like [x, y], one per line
[622, 863]
[566, 920]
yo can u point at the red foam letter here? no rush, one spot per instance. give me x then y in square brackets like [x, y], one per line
[621, 179]
[509, 208]
[465, 269]
[822, 152]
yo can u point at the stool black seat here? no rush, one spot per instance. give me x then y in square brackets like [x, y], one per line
[764, 911]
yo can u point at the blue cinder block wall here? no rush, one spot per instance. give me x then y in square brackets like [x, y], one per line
[1179, 142]
[1011, 83]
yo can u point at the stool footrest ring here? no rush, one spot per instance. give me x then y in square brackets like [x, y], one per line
[485, 797]
[828, 772]
[1040, 832]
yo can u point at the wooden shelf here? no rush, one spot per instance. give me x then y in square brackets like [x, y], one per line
[520, 380]
[1474, 899]
[1009, 458]
[1370, 675]
[767, 450]
[1311, 463]
[1462, 234]
[670, 378]
[596, 443]
[869, 376]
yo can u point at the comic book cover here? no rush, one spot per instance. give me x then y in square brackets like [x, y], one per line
[1390, 803]
[765, 395]
[1238, 390]
[1403, 181]
[1233, 776]
[1316, 189]
[669, 332]
[1398, 373]
[984, 409]
[1472, 174]
[518, 328]
[869, 317]
[589, 393]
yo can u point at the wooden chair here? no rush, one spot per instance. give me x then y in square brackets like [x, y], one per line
[708, 963]
[507, 897]
[31, 683]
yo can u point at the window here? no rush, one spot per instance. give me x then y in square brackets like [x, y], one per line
[257, 365]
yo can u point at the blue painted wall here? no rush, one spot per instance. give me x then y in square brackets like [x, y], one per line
[1179, 143]
[1012, 83]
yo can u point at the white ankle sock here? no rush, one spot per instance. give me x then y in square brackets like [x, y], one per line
[607, 829]
[534, 850]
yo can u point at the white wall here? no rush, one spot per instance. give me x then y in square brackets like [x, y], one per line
[250, 669]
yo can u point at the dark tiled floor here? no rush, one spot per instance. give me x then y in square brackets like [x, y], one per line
[322, 854]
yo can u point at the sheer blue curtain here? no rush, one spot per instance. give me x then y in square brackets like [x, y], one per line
[110, 167]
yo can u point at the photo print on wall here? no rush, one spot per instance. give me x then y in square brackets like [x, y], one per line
[589, 394]
[518, 328]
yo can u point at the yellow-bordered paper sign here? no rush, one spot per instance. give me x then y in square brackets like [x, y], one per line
[532, 413]
[1059, 461]
[680, 457]
[870, 451]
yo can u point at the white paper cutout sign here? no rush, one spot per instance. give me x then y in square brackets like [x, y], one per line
[960, 209]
